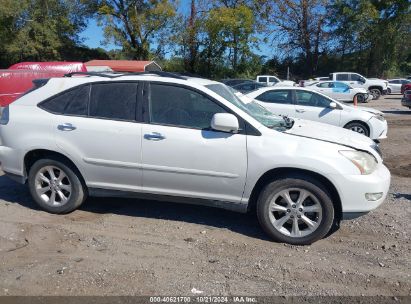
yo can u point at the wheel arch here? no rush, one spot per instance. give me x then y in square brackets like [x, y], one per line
[278, 173]
[375, 87]
[33, 155]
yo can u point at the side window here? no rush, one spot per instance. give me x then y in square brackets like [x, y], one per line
[356, 77]
[341, 85]
[342, 77]
[278, 96]
[324, 85]
[272, 79]
[72, 102]
[117, 101]
[310, 99]
[177, 106]
[262, 79]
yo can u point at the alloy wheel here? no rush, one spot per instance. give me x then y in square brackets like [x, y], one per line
[295, 212]
[53, 186]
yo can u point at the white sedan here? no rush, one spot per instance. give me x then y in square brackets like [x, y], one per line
[307, 104]
[341, 91]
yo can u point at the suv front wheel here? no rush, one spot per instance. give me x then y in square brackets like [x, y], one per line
[55, 186]
[297, 210]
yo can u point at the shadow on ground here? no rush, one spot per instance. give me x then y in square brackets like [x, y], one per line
[246, 224]
[398, 112]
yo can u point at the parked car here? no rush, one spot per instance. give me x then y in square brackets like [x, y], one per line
[271, 80]
[311, 81]
[187, 140]
[376, 87]
[248, 86]
[233, 82]
[394, 85]
[341, 91]
[307, 104]
[406, 99]
[405, 87]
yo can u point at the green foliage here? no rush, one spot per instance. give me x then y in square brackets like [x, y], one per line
[136, 24]
[40, 30]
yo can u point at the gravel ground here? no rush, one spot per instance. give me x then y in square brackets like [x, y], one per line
[126, 247]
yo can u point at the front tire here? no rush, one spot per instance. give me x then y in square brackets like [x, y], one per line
[358, 127]
[295, 210]
[55, 186]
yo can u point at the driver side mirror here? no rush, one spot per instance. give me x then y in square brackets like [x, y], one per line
[333, 105]
[225, 122]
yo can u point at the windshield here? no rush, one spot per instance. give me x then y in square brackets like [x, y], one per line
[252, 108]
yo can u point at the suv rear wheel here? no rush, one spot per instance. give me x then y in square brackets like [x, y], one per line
[55, 186]
[297, 210]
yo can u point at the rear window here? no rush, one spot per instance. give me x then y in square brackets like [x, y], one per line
[117, 101]
[72, 102]
[342, 77]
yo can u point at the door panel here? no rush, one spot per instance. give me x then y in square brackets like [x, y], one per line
[194, 163]
[97, 128]
[312, 106]
[182, 156]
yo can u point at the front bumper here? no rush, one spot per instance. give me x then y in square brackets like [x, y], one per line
[353, 188]
[384, 92]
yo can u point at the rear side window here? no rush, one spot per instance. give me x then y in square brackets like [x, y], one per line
[278, 96]
[342, 77]
[117, 101]
[310, 99]
[262, 79]
[72, 102]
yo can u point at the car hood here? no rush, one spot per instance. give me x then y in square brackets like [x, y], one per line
[329, 133]
[365, 109]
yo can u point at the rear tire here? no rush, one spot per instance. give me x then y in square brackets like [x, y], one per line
[360, 98]
[388, 91]
[376, 93]
[358, 127]
[56, 186]
[295, 210]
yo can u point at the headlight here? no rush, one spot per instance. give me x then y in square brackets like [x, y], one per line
[379, 117]
[364, 161]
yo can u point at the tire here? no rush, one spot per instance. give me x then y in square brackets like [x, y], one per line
[278, 216]
[388, 91]
[358, 127]
[42, 185]
[360, 98]
[376, 93]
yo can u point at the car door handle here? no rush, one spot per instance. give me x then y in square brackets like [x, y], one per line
[300, 110]
[66, 127]
[154, 136]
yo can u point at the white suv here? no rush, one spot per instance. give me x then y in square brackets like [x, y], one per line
[164, 136]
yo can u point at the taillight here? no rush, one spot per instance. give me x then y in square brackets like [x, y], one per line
[5, 116]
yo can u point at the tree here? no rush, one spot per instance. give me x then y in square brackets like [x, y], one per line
[298, 27]
[136, 25]
[39, 30]
[373, 32]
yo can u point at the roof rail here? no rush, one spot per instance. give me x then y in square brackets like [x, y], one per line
[120, 74]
